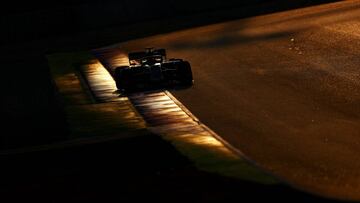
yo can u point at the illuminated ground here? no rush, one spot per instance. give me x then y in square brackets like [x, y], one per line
[283, 88]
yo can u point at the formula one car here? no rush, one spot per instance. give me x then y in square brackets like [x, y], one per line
[150, 69]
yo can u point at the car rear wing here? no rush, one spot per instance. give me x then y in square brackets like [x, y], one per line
[135, 56]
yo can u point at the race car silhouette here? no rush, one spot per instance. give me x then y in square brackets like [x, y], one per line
[150, 69]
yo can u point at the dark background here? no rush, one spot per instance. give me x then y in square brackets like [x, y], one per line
[22, 21]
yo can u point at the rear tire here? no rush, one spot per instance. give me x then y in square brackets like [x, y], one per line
[185, 74]
[123, 78]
